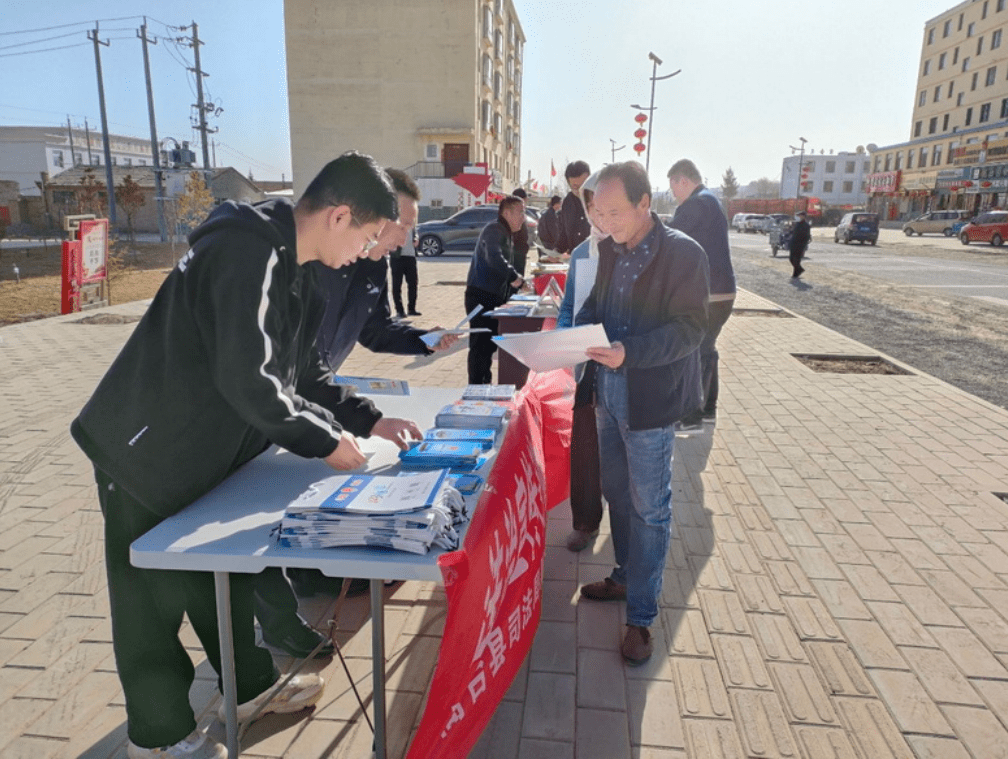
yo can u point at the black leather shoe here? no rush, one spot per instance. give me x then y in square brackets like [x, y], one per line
[298, 639]
[414, 312]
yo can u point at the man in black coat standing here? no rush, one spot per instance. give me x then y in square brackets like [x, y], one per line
[549, 223]
[800, 236]
[574, 224]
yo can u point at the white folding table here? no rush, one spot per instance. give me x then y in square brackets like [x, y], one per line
[228, 530]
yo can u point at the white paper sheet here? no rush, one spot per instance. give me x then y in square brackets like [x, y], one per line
[555, 348]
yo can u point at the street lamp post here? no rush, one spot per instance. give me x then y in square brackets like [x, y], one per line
[614, 148]
[801, 164]
[651, 109]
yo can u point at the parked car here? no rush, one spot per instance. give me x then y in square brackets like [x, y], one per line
[859, 226]
[754, 222]
[461, 230]
[936, 221]
[991, 227]
[738, 221]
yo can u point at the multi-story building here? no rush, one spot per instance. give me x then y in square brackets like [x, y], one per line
[957, 152]
[837, 180]
[27, 151]
[429, 86]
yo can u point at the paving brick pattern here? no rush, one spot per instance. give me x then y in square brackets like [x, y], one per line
[837, 585]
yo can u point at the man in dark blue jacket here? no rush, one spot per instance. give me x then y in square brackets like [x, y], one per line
[491, 281]
[701, 217]
[650, 294]
[222, 365]
[573, 218]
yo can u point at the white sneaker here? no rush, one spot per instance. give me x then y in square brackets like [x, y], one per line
[196, 745]
[300, 693]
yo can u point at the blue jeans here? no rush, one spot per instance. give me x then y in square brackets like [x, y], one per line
[637, 484]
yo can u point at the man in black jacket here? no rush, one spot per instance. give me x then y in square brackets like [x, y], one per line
[549, 224]
[800, 237]
[521, 239]
[574, 224]
[650, 294]
[491, 281]
[222, 365]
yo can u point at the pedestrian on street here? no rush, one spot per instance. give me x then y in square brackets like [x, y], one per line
[650, 295]
[549, 223]
[699, 215]
[585, 484]
[800, 237]
[491, 280]
[403, 265]
[574, 224]
[222, 365]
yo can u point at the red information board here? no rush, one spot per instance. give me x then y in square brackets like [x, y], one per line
[93, 236]
[70, 300]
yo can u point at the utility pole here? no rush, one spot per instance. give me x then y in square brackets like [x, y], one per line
[614, 148]
[213, 144]
[109, 184]
[801, 164]
[155, 152]
[199, 98]
[87, 135]
[73, 163]
[654, 78]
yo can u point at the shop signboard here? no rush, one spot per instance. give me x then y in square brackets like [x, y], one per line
[885, 181]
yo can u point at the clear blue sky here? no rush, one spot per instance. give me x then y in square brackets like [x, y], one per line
[755, 77]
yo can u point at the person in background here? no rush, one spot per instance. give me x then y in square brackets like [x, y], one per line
[521, 239]
[699, 215]
[800, 237]
[549, 223]
[585, 485]
[403, 265]
[574, 225]
[650, 294]
[491, 281]
[222, 365]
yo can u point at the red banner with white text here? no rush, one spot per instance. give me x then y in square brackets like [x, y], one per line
[494, 589]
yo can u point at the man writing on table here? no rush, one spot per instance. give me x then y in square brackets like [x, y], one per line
[222, 365]
[650, 294]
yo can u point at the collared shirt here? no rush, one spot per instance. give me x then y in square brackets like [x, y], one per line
[618, 314]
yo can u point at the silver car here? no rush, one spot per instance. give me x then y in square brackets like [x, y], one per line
[944, 222]
[462, 230]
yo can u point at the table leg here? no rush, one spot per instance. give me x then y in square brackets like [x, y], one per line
[378, 664]
[222, 585]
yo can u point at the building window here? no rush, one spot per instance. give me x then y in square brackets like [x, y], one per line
[991, 75]
[498, 45]
[933, 125]
[510, 69]
[984, 113]
[848, 188]
[983, 13]
[947, 28]
[910, 155]
[930, 36]
[57, 158]
[485, 116]
[936, 156]
[950, 89]
[959, 100]
[831, 167]
[973, 82]
[498, 6]
[960, 22]
[1000, 5]
[921, 99]
[965, 66]
[78, 159]
[497, 125]
[922, 162]
[970, 28]
[810, 165]
[945, 121]
[995, 39]
[887, 162]
[1004, 108]
[917, 129]
[487, 22]
[127, 161]
[969, 116]
[941, 61]
[849, 167]
[827, 186]
[866, 168]
[979, 46]
[95, 160]
[937, 94]
[432, 151]
[898, 163]
[950, 156]
[497, 86]
[927, 67]
[955, 56]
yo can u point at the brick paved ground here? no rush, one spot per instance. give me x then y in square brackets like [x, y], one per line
[837, 585]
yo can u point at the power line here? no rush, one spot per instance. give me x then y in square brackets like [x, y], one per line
[43, 50]
[45, 39]
[248, 158]
[66, 26]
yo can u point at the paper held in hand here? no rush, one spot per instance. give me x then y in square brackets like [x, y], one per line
[433, 337]
[555, 348]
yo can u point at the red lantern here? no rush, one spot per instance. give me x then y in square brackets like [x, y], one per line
[968, 184]
[640, 147]
[640, 118]
[640, 134]
[985, 184]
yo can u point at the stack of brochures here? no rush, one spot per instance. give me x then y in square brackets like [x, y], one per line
[412, 512]
[474, 415]
[489, 393]
[444, 454]
[486, 438]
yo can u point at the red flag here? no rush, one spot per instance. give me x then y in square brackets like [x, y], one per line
[552, 170]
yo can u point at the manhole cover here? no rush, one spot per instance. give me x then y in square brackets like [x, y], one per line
[762, 312]
[107, 319]
[849, 364]
[452, 283]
